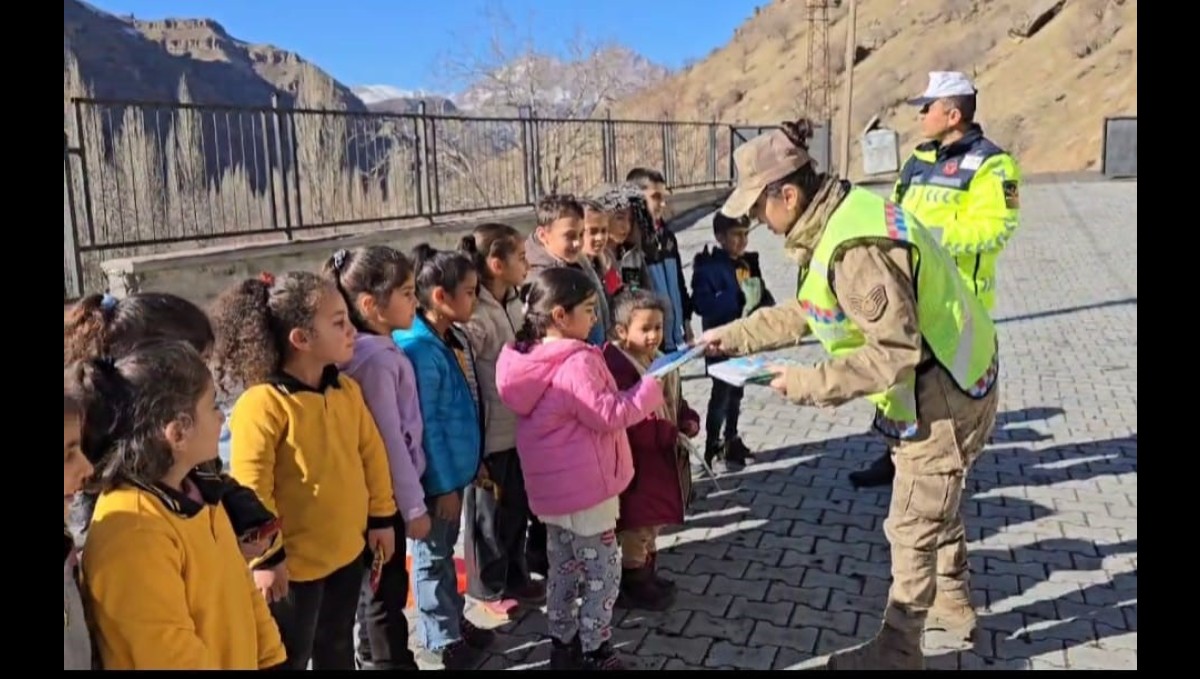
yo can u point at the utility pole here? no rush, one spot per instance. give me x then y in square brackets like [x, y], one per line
[848, 95]
[818, 95]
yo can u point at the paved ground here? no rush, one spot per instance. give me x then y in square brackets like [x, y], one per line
[789, 563]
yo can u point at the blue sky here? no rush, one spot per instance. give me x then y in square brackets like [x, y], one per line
[402, 42]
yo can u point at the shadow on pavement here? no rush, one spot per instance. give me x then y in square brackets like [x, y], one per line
[789, 562]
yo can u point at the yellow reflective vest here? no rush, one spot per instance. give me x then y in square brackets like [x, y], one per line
[953, 322]
[968, 194]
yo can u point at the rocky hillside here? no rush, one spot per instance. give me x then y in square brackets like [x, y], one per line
[128, 58]
[1048, 71]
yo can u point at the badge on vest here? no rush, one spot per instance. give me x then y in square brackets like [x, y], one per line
[1012, 199]
[971, 161]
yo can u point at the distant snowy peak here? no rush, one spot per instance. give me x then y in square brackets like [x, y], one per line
[373, 94]
[546, 84]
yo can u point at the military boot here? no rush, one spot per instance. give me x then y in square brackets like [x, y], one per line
[879, 473]
[953, 613]
[891, 649]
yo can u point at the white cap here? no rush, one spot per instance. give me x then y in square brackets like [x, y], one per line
[944, 84]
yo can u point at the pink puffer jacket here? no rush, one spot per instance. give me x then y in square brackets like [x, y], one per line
[571, 423]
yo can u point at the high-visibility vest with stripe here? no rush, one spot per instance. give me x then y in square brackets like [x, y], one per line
[967, 193]
[952, 321]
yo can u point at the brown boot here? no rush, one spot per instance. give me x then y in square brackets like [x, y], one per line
[665, 584]
[891, 649]
[952, 612]
[639, 591]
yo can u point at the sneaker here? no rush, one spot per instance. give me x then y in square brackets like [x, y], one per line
[603, 658]
[532, 593]
[456, 656]
[476, 637]
[566, 655]
[500, 610]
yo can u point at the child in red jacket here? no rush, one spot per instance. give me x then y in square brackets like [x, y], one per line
[662, 472]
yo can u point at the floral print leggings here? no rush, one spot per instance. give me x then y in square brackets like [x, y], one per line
[590, 566]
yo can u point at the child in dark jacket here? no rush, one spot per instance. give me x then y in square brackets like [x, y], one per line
[727, 284]
[662, 478]
[664, 265]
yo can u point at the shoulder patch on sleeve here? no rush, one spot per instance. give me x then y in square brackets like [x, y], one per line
[869, 306]
[1012, 197]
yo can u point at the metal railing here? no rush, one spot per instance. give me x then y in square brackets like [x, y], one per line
[144, 177]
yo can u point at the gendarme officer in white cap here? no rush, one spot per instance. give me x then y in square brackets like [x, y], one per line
[959, 185]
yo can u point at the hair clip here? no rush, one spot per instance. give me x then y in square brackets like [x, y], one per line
[339, 259]
[267, 278]
[108, 302]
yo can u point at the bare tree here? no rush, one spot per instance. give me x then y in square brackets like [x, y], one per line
[512, 72]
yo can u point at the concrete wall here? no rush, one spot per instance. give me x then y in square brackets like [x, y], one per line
[200, 275]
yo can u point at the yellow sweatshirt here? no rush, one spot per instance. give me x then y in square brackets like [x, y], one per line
[316, 459]
[168, 587]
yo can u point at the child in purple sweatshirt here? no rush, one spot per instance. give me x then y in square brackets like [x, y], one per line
[379, 288]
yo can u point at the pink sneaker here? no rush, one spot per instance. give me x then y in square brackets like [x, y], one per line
[501, 610]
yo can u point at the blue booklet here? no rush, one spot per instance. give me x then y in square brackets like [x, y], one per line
[747, 370]
[674, 361]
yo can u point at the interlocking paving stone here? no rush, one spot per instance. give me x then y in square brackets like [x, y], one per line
[789, 562]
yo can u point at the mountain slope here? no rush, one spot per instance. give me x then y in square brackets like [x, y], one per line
[1043, 97]
[127, 58]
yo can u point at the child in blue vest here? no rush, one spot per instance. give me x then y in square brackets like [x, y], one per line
[727, 284]
[451, 407]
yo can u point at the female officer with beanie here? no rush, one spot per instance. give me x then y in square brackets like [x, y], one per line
[903, 331]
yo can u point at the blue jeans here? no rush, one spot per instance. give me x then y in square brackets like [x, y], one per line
[435, 585]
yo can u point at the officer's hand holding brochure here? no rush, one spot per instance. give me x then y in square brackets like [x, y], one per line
[675, 360]
[747, 370]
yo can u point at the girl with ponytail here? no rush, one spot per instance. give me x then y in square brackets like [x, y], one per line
[303, 438]
[497, 511]
[575, 457]
[166, 583]
[452, 411]
[102, 326]
[379, 289]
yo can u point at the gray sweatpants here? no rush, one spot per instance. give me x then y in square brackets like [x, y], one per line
[587, 565]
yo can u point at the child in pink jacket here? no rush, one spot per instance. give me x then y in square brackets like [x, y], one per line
[575, 456]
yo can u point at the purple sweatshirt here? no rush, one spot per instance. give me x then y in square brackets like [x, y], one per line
[390, 390]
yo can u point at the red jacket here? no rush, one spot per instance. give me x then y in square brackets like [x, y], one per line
[661, 472]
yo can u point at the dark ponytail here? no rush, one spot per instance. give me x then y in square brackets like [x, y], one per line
[487, 241]
[556, 287]
[253, 320]
[376, 270]
[799, 131]
[128, 403]
[445, 269]
[102, 325]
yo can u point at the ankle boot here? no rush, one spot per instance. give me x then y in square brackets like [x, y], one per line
[639, 591]
[891, 649]
[665, 584]
[953, 613]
